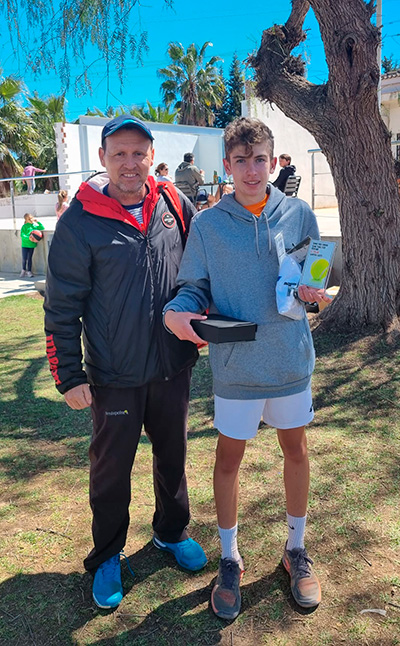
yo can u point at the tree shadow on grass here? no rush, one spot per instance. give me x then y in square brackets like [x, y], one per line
[47, 608]
[189, 619]
[28, 419]
[40, 434]
[38, 417]
[357, 382]
[53, 608]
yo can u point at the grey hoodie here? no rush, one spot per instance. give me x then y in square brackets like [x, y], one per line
[230, 265]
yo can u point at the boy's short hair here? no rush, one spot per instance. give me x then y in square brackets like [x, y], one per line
[247, 132]
[188, 157]
[286, 157]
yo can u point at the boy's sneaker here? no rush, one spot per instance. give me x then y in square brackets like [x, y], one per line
[225, 597]
[107, 586]
[304, 583]
[22, 274]
[29, 274]
[188, 553]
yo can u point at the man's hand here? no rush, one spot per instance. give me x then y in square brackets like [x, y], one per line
[79, 397]
[313, 295]
[179, 324]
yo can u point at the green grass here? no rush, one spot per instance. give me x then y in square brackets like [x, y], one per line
[353, 531]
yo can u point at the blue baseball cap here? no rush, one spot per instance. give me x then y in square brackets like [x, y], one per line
[125, 121]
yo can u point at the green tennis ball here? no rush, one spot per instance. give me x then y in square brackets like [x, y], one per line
[319, 269]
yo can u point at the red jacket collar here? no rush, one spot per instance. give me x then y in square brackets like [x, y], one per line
[97, 203]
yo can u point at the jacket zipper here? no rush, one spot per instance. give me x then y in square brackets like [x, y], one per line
[156, 305]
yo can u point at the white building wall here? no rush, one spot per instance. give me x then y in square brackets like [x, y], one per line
[294, 140]
[169, 148]
[71, 156]
[78, 145]
[11, 254]
[39, 204]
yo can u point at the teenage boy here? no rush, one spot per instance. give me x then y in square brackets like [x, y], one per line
[231, 267]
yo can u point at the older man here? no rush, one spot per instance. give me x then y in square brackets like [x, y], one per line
[112, 267]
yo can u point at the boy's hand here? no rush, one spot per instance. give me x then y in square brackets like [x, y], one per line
[179, 324]
[313, 295]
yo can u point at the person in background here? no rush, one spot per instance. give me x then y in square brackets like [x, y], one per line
[62, 203]
[28, 246]
[112, 266]
[188, 177]
[211, 200]
[29, 171]
[201, 199]
[161, 173]
[287, 169]
[223, 189]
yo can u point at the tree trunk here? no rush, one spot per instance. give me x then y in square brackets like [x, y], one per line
[344, 118]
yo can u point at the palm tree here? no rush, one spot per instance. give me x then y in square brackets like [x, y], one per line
[45, 113]
[110, 113]
[151, 113]
[18, 136]
[155, 114]
[194, 87]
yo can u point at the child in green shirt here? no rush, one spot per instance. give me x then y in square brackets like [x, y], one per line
[28, 245]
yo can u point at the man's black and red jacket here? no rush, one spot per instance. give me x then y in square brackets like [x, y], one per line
[109, 278]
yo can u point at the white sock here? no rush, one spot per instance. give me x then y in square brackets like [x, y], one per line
[296, 529]
[229, 543]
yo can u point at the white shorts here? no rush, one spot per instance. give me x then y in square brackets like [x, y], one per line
[240, 418]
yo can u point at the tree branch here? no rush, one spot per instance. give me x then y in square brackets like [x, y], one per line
[294, 24]
[280, 76]
[371, 7]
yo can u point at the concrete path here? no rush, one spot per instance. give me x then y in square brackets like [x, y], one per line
[13, 285]
[328, 221]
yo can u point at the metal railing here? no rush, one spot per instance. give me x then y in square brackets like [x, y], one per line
[312, 152]
[36, 177]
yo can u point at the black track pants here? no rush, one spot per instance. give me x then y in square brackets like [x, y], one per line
[118, 416]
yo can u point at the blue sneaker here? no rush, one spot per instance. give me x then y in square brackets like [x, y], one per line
[188, 553]
[107, 586]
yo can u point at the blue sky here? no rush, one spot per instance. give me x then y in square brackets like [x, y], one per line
[229, 26]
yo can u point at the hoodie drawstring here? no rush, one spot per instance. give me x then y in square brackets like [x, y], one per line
[255, 219]
[269, 233]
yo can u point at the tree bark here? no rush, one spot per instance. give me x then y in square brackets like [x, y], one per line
[343, 116]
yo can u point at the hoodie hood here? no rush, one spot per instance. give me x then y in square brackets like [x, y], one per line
[184, 165]
[93, 200]
[229, 204]
[271, 211]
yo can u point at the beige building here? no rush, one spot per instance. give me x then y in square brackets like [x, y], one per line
[390, 101]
